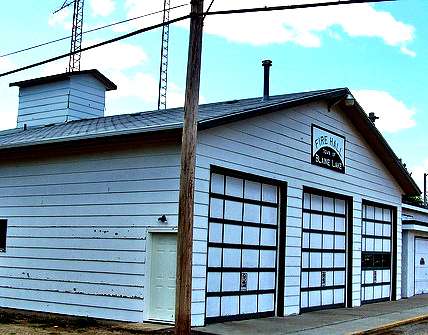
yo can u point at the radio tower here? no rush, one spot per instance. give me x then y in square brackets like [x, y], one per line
[76, 33]
[163, 69]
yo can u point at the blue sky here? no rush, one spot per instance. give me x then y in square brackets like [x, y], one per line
[378, 51]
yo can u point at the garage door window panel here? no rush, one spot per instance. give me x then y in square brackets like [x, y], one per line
[252, 190]
[234, 187]
[213, 281]
[213, 306]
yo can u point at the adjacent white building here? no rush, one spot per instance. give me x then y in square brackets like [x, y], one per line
[298, 206]
[415, 250]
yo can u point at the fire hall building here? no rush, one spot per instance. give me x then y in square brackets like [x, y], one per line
[298, 206]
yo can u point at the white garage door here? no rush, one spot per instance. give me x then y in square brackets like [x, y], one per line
[323, 275]
[421, 265]
[376, 253]
[242, 248]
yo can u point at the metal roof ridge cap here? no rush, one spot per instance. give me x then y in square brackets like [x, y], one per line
[275, 104]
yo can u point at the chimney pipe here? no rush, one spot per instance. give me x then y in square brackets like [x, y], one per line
[267, 63]
[373, 117]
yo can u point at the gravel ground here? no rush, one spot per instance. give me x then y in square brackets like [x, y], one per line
[36, 324]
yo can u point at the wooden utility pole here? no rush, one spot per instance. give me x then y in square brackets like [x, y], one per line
[183, 297]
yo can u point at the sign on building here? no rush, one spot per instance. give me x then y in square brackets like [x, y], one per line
[328, 149]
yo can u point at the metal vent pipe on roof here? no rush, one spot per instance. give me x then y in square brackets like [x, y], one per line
[373, 117]
[267, 63]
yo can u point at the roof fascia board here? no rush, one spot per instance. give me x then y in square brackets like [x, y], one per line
[415, 208]
[109, 85]
[94, 136]
[415, 227]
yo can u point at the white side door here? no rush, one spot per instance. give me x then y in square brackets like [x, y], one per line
[162, 276]
[421, 266]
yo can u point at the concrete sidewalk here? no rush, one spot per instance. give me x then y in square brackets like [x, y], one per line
[328, 322]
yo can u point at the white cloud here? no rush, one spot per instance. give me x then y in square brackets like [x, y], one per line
[300, 26]
[102, 7]
[117, 56]
[60, 18]
[6, 64]
[407, 51]
[109, 58]
[418, 173]
[121, 62]
[145, 87]
[393, 114]
[9, 101]
[9, 107]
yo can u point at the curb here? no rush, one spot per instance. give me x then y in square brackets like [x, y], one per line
[391, 325]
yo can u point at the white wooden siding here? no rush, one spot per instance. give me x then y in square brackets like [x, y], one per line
[77, 228]
[81, 97]
[278, 146]
[87, 97]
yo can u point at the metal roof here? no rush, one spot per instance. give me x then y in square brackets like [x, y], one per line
[210, 115]
[145, 121]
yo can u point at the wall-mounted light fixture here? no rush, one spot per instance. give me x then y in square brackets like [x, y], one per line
[349, 101]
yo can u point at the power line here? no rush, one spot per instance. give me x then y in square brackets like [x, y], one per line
[90, 31]
[157, 12]
[35, 46]
[209, 8]
[185, 17]
[285, 7]
[116, 39]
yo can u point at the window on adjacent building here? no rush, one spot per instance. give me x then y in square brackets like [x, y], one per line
[3, 231]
